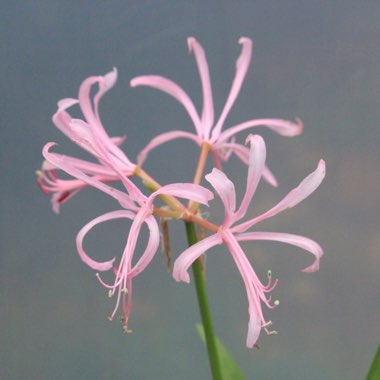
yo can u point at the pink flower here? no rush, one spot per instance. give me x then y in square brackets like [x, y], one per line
[222, 143]
[230, 233]
[139, 209]
[90, 135]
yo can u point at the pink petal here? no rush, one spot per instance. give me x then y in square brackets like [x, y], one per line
[282, 127]
[64, 163]
[207, 118]
[295, 196]
[118, 140]
[86, 166]
[226, 191]
[216, 159]
[196, 193]
[269, 177]
[171, 88]
[161, 139]
[105, 83]
[62, 118]
[242, 152]
[106, 265]
[105, 148]
[151, 248]
[125, 265]
[187, 257]
[253, 286]
[296, 240]
[59, 198]
[257, 156]
[241, 70]
[66, 103]
[83, 134]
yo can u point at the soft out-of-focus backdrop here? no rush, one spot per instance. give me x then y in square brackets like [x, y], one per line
[319, 61]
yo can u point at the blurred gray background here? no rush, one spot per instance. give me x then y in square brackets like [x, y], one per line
[317, 60]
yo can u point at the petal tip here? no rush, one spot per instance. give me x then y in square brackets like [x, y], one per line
[245, 41]
[299, 127]
[191, 41]
[111, 77]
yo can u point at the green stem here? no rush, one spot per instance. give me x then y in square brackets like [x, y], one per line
[200, 286]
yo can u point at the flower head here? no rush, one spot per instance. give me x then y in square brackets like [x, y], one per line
[207, 130]
[136, 207]
[90, 135]
[231, 232]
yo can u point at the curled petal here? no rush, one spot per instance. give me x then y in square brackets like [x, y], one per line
[208, 106]
[242, 152]
[242, 65]
[226, 191]
[257, 156]
[254, 288]
[189, 191]
[125, 266]
[282, 127]
[64, 163]
[295, 196]
[105, 83]
[306, 187]
[163, 138]
[106, 265]
[106, 149]
[187, 257]
[83, 134]
[171, 88]
[151, 248]
[62, 118]
[296, 240]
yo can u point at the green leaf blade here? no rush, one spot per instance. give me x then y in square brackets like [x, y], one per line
[374, 371]
[230, 369]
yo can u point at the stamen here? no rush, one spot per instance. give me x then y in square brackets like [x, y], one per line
[124, 322]
[267, 324]
[124, 290]
[276, 302]
[126, 330]
[110, 293]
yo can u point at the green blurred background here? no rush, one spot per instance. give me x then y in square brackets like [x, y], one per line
[317, 60]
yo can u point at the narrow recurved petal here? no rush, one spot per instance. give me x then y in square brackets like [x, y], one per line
[151, 248]
[171, 88]
[296, 240]
[187, 257]
[295, 196]
[226, 191]
[64, 163]
[207, 117]
[252, 285]
[282, 127]
[106, 265]
[257, 156]
[242, 65]
[89, 110]
[62, 118]
[106, 82]
[242, 152]
[190, 191]
[162, 139]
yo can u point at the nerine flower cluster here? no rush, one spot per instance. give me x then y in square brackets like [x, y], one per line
[110, 165]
